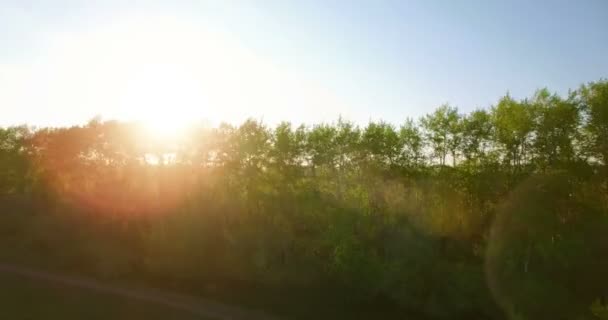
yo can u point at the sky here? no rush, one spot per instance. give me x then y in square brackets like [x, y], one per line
[170, 62]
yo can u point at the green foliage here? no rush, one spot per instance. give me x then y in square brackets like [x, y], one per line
[359, 216]
[412, 144]
[476, 135]
[443, 132]
[594, 101]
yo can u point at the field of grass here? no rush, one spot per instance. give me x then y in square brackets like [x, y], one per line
[25, 299]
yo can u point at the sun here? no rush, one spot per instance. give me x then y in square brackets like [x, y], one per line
[162, 85]
[164, 70]
[161, 128]
[158, 71]
[165, 99]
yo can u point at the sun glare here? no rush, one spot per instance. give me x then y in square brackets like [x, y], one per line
[158, 71]
[164, 99]
[162, 87]
[162, 128]
[166, 73]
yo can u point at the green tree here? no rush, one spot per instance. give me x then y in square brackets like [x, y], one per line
[594, 100]
[476, 135]
[555, 128]
[412, 144]
[442, 129]
[513, 126]
[381, 144]
[14, 166]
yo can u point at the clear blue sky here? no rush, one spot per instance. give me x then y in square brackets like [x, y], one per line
[362, 59]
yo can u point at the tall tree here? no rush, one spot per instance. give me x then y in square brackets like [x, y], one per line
[442, 129]
[380, 141]
[555, 127]
[513, 125]
[594, 99]
[476, 135]
[412, 144]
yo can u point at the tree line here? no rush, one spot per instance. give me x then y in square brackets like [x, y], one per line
[499, 213]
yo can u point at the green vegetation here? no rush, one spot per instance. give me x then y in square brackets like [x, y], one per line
[496, 214]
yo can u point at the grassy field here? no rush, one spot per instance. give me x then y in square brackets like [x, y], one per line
[22, 299]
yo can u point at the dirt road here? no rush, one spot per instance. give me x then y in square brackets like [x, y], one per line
[193, 305]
